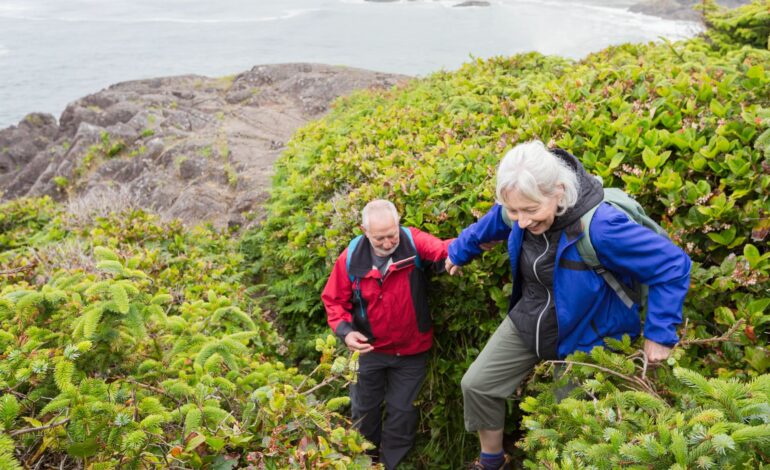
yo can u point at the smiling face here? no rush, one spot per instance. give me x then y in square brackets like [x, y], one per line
[537, 217]
[382, 233]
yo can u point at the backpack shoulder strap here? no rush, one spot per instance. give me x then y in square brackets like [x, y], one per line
[588, 254]
[417, 260]
[351, 248]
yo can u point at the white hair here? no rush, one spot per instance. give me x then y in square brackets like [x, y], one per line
[536, 174]
[379, 206]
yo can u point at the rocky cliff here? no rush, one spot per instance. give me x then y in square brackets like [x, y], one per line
[679, 9]
[197, 148]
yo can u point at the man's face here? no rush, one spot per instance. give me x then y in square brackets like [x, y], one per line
[382, 233]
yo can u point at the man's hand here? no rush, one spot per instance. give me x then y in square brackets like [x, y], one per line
[452, 268]
[355, 341]
[656, 352]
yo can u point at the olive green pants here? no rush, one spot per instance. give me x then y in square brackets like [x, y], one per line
[501, 366]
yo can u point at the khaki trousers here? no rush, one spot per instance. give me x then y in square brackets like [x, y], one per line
[502, 365]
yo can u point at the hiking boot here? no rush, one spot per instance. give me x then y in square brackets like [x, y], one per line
[505, 466]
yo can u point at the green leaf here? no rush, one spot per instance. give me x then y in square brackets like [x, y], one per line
[756, 72]
[725, 237]
[196, 441]
[717, 108]
[752, 255]
[84, 449]
[215, 443]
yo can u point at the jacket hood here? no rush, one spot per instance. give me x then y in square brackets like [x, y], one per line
[590, 192]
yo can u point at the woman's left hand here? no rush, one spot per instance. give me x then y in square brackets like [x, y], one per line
[656, 352]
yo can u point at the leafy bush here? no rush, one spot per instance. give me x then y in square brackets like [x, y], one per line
[145, 351]
[684, 127]
[750, 26]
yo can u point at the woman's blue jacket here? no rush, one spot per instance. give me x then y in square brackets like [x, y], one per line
[587, 309]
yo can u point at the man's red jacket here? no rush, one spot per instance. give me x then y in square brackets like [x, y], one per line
[393, 311]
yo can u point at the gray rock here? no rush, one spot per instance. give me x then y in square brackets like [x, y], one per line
[192, 147]
[473, 3]
[678, 9]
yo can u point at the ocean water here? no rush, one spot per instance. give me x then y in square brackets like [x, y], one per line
[55, 51]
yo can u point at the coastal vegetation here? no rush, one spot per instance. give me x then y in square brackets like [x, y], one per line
[131, 342]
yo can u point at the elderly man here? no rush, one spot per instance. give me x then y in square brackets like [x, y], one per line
[376, 302]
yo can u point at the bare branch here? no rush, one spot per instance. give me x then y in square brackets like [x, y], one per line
[727, 336]
[20, 269]
[39, 428]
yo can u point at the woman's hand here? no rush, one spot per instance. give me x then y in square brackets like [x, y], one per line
[656, 352]
[452, 268]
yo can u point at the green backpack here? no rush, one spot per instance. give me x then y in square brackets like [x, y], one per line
[625, 203]
[636, 294]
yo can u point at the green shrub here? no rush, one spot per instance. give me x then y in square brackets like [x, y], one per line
[684, 127]
[139, 348]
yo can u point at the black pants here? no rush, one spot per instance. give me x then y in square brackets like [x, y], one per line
[394, 380]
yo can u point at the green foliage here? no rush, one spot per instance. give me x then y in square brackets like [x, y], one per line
[149, 354]
[750, 26]
[7, 461]
[706, 422]
[683, 127]
[139, 347]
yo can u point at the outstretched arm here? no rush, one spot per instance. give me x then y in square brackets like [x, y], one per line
[476, 238]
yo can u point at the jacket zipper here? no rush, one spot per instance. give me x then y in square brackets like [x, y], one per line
[548, 300]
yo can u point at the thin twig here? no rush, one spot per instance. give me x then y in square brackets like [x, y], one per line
[727, 336]
[39, 428]
[151, 388]
[302, 384]
[641, 383]
[640, 354]
[18, 270]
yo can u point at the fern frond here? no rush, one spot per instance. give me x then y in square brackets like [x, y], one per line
[707, 417]
[192, 421]
[134, 440]
[224, 384]
[129, 286]
[63, 375]
[57, 404]
[91, 318]
[6, 309]
[9, 410]
[759, 435]
[645, 401]
[215, 416]
[695, 381]
[120, 297]
[152, 423]
[237, 314]
[105, 254]
[110, 267]
[31, 299]
[161, 299]
[98, 288]
[7, 461]
[151, 405]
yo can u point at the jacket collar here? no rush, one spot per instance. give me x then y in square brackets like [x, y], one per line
[362, 259]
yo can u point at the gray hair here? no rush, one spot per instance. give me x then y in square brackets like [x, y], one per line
[380, 206]
[536, 174]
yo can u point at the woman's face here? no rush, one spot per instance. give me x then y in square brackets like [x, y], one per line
[537, 217]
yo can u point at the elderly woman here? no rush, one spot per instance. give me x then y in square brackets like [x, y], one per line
[558, 304]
